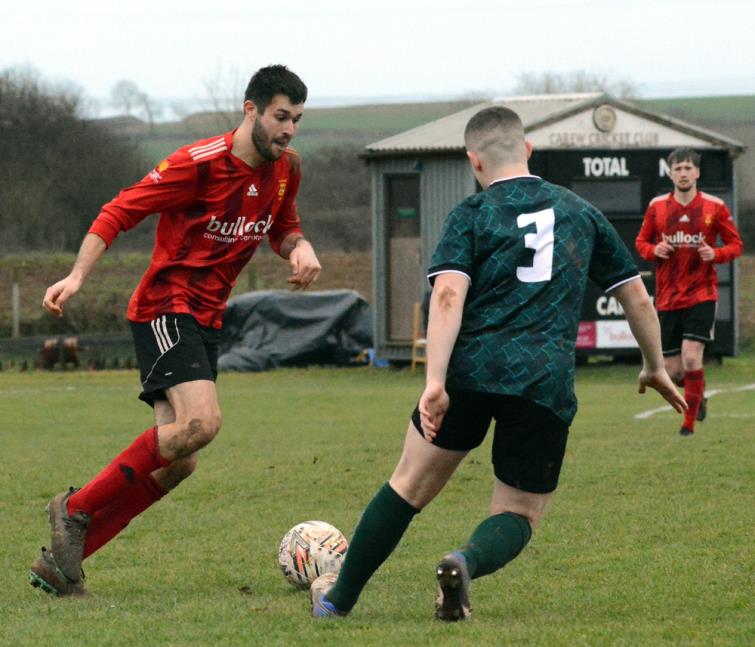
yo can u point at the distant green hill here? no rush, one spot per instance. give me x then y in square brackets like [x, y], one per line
[719, 109]
[360, 125]
[320, 127]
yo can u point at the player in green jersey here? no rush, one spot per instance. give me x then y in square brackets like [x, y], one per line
[509, 276]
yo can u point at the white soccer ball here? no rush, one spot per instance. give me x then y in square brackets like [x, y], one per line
[310, 549]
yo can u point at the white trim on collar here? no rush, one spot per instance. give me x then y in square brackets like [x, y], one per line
[513, 177]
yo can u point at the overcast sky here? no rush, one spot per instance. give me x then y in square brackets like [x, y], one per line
[390, 48]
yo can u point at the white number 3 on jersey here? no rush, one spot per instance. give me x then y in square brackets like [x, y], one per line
[541, 242]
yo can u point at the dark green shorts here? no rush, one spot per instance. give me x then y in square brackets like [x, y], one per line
[529, 441]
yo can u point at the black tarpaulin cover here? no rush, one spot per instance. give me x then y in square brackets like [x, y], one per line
[267, 329]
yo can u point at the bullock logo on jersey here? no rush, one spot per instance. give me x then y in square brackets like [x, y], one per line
[252, 192]
[156, 174]
[682, 239]
[281, 188]
[224, 231]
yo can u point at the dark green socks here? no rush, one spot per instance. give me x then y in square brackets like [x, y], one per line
[495, 542]
[381, 527]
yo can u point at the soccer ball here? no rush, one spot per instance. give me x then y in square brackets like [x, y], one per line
[310, 549]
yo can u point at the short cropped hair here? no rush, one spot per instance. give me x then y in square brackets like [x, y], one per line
[272, 80]
[684, 154]
[496, 132]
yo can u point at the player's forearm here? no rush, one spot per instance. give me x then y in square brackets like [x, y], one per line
[645, 249]
[92, 248]
[444, 323]
[645, 242]
[643, 321]
[732, 246]
[729, 251]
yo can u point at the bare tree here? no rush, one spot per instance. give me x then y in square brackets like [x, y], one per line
[127, 95]
[577, 81]
[57, 167]
[225, 93]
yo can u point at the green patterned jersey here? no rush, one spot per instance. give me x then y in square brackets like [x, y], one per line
[527, 247]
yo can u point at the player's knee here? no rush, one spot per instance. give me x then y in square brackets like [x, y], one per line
[691, 362]
[199, 431]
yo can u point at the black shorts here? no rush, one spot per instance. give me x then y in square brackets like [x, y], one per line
[696, 322]
[173, 349]
[529, 441]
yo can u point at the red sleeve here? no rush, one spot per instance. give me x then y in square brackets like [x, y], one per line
[645, 241]
[732, 243]
[170, 185]
[287, 220]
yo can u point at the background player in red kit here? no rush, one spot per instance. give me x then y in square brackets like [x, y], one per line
[217, 199]
[679, 233]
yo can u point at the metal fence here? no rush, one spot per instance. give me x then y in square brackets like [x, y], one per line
[68, 352]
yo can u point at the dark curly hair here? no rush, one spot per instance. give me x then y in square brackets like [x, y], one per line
[272, 80]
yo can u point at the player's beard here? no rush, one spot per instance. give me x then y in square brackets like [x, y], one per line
[263, 142]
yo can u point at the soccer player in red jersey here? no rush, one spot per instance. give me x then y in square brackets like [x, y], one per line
[679, 233]
[217, 199]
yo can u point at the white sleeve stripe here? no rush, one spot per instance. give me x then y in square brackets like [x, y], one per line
[203, 147]
[615, 285]
[210, 151]
[469, 278]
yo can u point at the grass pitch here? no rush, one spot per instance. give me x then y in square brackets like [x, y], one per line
[648, 540]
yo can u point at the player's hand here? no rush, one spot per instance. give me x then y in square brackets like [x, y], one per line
[305, 268]
[661, 382]
[664, 250]
[59, 293]
[433, 404]
[707, 253]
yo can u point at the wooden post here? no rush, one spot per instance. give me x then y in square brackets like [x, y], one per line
[16, 309]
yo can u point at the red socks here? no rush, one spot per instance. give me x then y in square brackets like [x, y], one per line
[130, 466]
[694, 386]
[109, 521]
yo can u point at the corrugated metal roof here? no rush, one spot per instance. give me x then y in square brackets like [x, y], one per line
[447, 134]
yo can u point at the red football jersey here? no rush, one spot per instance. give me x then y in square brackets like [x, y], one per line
[214, 212]
[684, 279]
